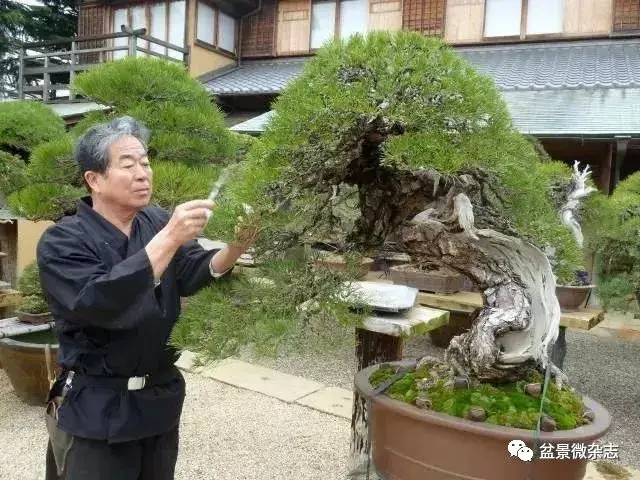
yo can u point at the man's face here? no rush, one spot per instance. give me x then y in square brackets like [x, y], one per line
[128, 179]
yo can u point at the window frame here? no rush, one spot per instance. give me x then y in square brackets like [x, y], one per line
[524, 12]
[147, 9]
[615, 28]
[216, 48]
[336, 24]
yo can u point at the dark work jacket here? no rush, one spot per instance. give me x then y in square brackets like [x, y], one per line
[111, 320]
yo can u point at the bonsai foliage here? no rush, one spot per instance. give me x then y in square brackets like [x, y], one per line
[186, 127]
[25, 125]
[395, 138]
[32, 300]
[188, 137]
[613, 232]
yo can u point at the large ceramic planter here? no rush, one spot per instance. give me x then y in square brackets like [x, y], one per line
[23, 359]
[573, 297]
[413, 444]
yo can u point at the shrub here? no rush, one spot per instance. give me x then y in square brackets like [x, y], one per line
[188, 136]
[612, 230]
[26, 124]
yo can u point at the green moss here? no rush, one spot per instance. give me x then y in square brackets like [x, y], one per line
[505, 404]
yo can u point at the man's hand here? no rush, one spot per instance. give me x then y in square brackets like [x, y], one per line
[188, 221]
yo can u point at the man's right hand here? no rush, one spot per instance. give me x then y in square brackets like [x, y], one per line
[188, 221]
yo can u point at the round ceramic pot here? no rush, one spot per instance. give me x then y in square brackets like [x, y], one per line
[23, 359]
[413, 444]
[573, 297]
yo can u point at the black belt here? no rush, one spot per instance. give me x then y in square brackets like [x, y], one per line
[121, 383]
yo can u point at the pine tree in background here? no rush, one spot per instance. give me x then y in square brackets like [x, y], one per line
[51, 20]
[189, 139]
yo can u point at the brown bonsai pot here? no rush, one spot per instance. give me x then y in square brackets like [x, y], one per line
[333, 261]
[439, 280]
[23, 359]
[34, 318]
[573, 297]
[413, 444]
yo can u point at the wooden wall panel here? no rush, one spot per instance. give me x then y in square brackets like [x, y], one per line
[294, 27]
[258, 34]
[424, 16]
[385, 15]
[464, 21]
[93, 19]
[626, 15]
[588, 17]
[202, 60]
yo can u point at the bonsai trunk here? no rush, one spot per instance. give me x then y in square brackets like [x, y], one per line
[520, 319]
[435, 220]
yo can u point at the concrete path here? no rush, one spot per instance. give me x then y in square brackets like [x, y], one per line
[240, 421]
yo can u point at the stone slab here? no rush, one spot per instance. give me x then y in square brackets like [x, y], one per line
[259, 379]
[593, 474]
[189, 362]
[332, 400]
[417, 321]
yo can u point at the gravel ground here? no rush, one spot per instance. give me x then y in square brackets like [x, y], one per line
[605, 369]
[227, 434]
[234, 434]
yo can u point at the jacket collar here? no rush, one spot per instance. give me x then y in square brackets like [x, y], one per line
[106, 230]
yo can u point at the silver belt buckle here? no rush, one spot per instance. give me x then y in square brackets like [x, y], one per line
[136, 383]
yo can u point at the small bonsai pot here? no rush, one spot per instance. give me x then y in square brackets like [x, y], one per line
[573, 297]
[438, 280]
[333, 261]
[34, 318]
[410, 443]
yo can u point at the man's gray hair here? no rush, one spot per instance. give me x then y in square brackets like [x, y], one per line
[92, 149]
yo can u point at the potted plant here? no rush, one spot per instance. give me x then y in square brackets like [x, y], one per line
[33, 307]
[573, 291]
[440, 171]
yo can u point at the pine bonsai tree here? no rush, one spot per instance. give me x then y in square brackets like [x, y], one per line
[395, 138]
[33, 300]
[23, 126]
[189, 140]
[612, 228]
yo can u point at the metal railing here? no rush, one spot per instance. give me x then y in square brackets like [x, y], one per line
[46, 68]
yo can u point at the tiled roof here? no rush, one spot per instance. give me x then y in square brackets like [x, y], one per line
[5, 215]
[547, 113]
[588, 112]
[256, 77]
[610, 63]
[613, 63]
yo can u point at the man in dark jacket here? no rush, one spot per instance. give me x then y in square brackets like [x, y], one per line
[113, 274]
